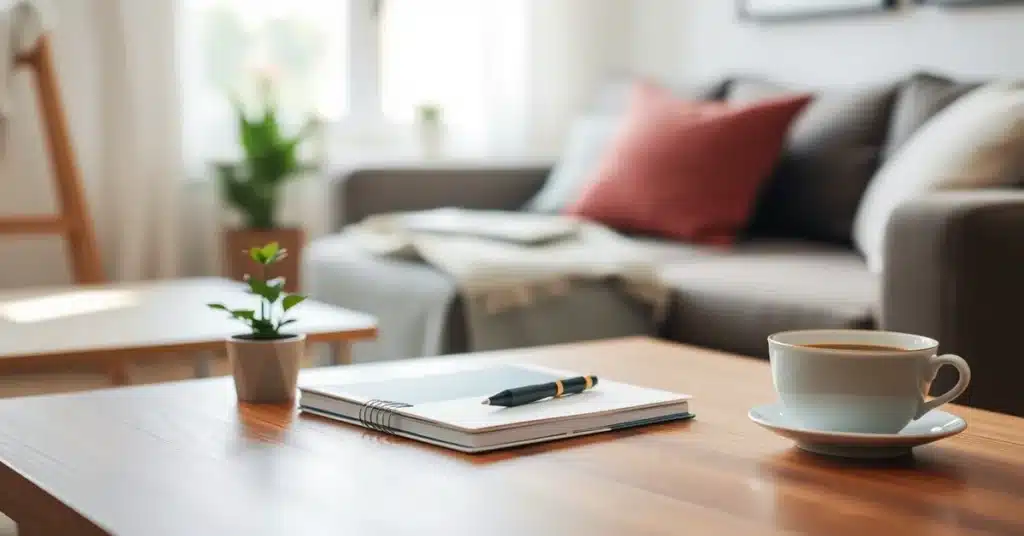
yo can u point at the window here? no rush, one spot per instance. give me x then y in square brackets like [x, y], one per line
[464, 56]
[373, 60]
[228, 46]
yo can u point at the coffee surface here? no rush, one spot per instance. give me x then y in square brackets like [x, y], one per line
[855, 347]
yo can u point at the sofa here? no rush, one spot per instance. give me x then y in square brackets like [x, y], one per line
[951, 265]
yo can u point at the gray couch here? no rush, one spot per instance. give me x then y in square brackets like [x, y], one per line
[951, 270]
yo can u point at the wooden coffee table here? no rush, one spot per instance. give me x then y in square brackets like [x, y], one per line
[186, 459]
[108, 324]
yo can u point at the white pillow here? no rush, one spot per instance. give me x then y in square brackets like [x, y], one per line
[588, 139]
[977, 142]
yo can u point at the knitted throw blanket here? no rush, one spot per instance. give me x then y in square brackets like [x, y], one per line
[503, 260]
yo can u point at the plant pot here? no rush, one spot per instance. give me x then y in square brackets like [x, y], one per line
[266, 371]
[431, 139]
[237, 262]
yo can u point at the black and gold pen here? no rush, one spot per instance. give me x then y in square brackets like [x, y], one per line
[531, 393]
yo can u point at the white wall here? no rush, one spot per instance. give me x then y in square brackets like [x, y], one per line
[698, 40]
[574, 45]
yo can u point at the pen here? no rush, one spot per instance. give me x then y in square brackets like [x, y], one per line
[532, 393]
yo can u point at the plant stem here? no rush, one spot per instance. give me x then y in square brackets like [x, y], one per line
[263, 302]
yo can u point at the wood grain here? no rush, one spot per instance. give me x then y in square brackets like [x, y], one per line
[186, 459]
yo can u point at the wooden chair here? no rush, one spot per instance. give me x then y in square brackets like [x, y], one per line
[72, 221]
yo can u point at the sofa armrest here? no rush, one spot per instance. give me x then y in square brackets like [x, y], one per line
[369, 191]
[953, 272]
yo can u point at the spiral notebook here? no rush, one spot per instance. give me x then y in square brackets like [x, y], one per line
[445, 409]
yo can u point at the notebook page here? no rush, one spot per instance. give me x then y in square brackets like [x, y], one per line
[608, 397]
[416, 390]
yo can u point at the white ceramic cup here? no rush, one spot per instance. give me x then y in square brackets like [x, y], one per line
[862, 391]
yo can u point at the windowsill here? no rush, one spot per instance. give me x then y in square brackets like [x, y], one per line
[443, 161]
[372, 144]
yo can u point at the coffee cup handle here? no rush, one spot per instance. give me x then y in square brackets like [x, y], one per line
[936, 362]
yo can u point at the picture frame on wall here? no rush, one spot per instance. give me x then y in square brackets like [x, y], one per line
[968, 3]
[770, 10]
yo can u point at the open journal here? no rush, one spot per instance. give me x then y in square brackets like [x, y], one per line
[446, 410]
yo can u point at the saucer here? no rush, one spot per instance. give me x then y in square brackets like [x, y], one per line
[935, 425]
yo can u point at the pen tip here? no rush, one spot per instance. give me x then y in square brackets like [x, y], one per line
[486, 402]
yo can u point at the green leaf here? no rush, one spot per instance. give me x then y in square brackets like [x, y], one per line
[263, 328]
[234, 190]
[244, 314]
[291, 301]
[265, 291]
[248, 196]
[218, 307]
[269, 252]
[286, 322]
[257, 255]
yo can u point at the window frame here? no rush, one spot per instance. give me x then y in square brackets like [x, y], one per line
[364, 61]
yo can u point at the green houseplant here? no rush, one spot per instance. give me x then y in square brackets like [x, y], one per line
[253, 187]
[265, 361]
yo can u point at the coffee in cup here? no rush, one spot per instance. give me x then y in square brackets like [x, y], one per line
[859, 381]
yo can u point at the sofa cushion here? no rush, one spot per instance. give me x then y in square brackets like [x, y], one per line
[588, 139]
[920, 98]
[734, 300]
[687, 170]
[831, 153]
[977, 142]
[589, 136]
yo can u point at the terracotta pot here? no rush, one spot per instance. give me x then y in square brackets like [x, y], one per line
[266, 371]
[237, 243]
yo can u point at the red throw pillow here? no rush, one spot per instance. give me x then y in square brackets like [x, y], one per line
[686, 170]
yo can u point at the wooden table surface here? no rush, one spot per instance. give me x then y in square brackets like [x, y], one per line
[183, 459]
[132, 319]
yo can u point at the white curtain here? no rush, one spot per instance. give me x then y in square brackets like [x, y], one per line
[138, 209]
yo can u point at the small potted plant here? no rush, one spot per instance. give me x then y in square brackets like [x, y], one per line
[431, 129]
[253, 187]
[265, 361]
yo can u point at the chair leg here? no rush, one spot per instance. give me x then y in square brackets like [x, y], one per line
[79, 233]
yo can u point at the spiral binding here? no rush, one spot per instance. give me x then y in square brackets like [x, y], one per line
[377, 414]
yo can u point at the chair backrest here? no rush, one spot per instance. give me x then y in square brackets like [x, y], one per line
[72, 220]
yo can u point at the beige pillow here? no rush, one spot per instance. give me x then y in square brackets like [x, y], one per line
[977, 142]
